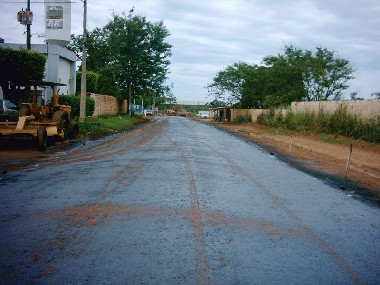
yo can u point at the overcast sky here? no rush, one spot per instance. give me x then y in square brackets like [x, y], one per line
[209, 35]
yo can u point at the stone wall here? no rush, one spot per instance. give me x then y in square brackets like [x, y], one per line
[109, 105]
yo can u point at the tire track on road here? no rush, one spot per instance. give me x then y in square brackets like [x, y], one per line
[200, 251]
[107, 149]
[70, 234]
[321, 244]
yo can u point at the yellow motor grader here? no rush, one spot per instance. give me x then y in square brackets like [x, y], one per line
[39, 122]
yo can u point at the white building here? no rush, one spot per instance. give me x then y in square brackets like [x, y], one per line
[60, 63]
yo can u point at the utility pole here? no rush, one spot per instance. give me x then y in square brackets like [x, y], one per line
[28, 32]
[154, 102]
[130, 98]
[82, 111]
[26, 18]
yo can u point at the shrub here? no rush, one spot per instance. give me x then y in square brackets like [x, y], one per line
[74, 102]
[240, 119]
[338, 123]
[19, 67]
[270, 118]
[92, 81]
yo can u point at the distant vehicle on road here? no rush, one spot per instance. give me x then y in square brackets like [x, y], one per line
[8, 111]
[148, 112]
[203, 114]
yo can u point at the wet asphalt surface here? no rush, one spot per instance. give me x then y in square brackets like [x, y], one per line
[179, 202]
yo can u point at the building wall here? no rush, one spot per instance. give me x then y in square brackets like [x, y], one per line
[64, 76]
[58, 22]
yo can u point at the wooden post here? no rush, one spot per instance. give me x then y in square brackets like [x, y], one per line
[290, 144]
[348, 160]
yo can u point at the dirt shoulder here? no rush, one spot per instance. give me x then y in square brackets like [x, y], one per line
[310, 153]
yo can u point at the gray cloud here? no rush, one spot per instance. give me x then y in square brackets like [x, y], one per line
[209, 35]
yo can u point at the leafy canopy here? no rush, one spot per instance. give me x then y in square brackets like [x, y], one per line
[129, 51]
[19, 67]
[295, 75]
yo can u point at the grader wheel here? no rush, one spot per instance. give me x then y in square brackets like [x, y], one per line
[62, 119]
[73, 131]
[41, 138]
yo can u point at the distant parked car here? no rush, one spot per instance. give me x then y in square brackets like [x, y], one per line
[203, 114]
[148, 112]
[8, 111]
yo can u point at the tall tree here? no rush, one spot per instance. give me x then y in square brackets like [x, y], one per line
[129, 54]
[326, 76]
[139, 53]
[228, 83]
[321, 74]
[295, 75]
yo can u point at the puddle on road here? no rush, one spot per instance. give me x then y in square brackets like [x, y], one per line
[7, 178]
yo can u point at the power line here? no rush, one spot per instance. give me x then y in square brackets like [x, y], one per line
[39, 2]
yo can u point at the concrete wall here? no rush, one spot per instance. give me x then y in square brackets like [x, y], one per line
[108, 105]
[254, 113]
[363, 108]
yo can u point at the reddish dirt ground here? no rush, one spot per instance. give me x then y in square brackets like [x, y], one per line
[324, 157]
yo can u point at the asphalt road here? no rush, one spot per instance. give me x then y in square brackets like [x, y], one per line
[179, 202]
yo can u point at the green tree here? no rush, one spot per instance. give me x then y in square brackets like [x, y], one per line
[227, 84]
[295, 75]
[169, 100]
[129, 53]
[19, 67]
[283, 82]
[92, 81]
[375, 95]
[139, 54]
[325, 76]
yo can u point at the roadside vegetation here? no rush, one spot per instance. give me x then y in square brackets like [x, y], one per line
[294, 75]
[74, 102]
[338, 123]
[127, 58]
[241, 119]
[109, 124]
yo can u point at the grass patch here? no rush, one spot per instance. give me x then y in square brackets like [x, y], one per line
[241, 119]
[339, 123]
[329, 138]
[279, 131]
[106, 124]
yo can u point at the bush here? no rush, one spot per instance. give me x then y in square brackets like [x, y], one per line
[338, 123]
[240, 119]
[92, 81]
[106, 124]
[74, 102]
[270, 118]
[19, 67]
